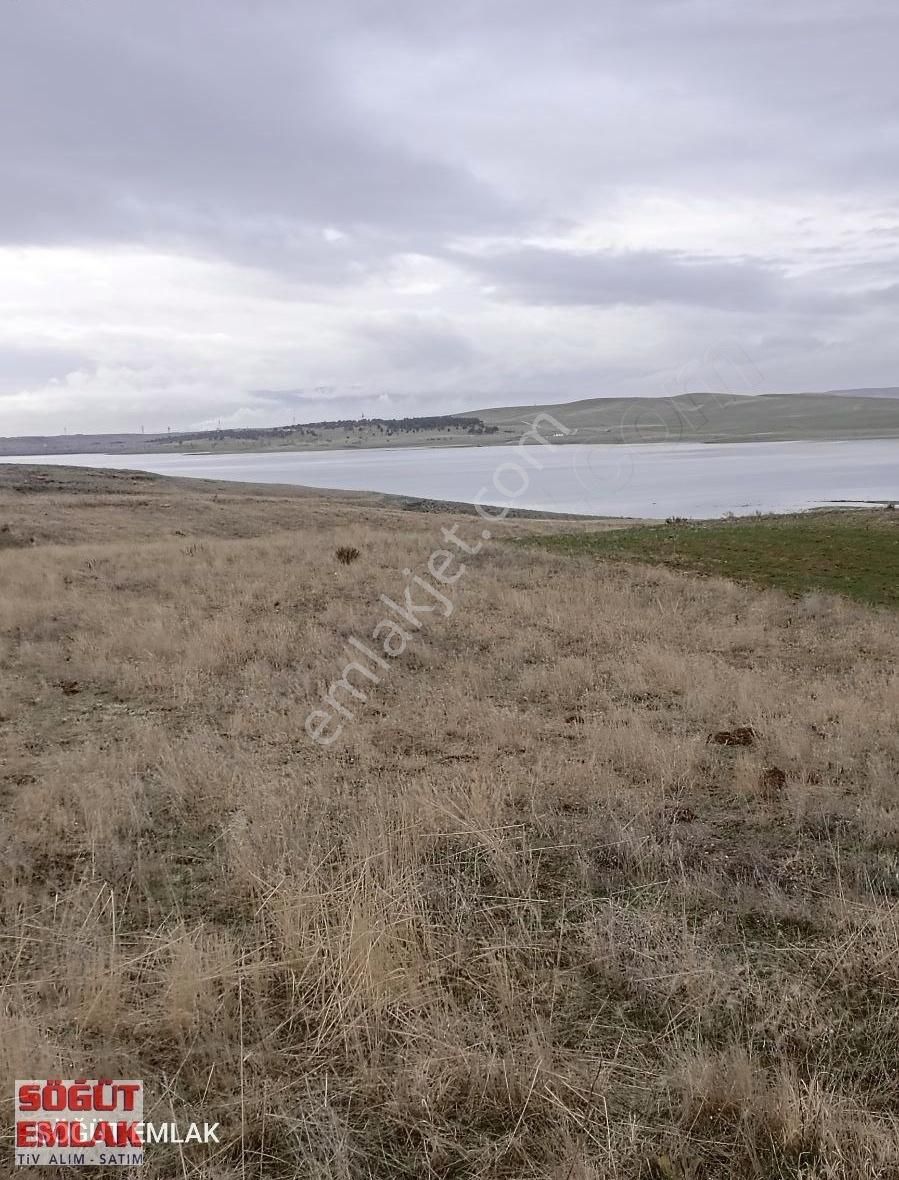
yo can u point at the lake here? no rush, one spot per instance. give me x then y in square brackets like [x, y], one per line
[648, 480]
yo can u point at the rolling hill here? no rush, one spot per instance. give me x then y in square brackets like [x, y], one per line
[709, 417]
[692, 417]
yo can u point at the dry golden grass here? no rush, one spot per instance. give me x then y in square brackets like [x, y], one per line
[521, 920]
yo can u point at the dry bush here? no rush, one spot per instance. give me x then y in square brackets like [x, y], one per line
[521, 920]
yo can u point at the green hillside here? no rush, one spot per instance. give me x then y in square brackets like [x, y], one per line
[709, 417]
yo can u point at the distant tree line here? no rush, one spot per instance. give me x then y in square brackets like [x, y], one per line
[388, 426]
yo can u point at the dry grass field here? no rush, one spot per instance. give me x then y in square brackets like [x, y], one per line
[522, 919]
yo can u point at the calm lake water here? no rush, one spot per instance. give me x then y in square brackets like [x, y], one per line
[654, 480]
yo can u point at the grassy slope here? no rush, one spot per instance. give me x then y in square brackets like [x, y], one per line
[522, 921]
[851, 553]
[710, 417]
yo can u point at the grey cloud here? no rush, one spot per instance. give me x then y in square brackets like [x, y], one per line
[411, 343]
[330, 403]
[246, 128]
[225, 129]
[210, 126]
[882, 296]
[301, 397]
[21, 365]
[642, 278]
[587, 98]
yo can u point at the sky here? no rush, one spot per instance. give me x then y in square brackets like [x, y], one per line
[254, 213]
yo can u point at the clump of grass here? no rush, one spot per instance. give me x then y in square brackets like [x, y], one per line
[12, 540]
[346, 554]
[743, 735]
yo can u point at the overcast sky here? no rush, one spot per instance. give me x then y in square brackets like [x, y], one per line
[272, 211]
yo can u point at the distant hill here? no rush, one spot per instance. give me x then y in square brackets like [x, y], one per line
[692, 417]
[894, 392]
[712, 417]
[426, 430]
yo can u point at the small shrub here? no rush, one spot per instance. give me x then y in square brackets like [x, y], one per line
[743, 735]
[10, 540]
[346, 554]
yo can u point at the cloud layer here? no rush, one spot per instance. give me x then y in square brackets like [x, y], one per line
[417, 206]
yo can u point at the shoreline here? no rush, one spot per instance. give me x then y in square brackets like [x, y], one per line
[449, 444]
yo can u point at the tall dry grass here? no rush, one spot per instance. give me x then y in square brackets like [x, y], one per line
[521, 920]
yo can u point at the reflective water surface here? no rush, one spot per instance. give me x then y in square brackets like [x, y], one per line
[649, 480]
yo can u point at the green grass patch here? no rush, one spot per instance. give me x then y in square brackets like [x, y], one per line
[851, 553]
